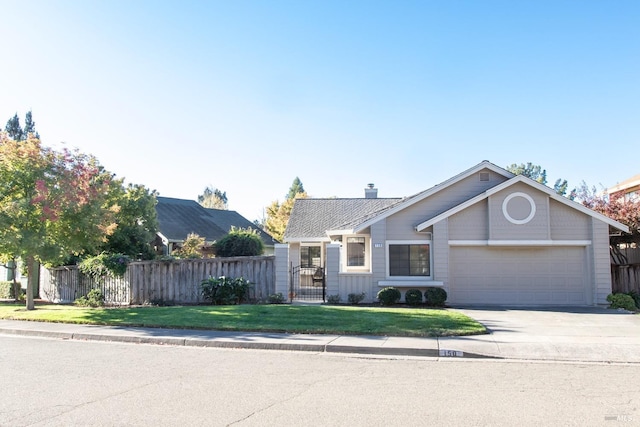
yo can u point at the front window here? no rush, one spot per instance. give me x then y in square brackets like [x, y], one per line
[355, 251]
[310, 256]
[410, 259]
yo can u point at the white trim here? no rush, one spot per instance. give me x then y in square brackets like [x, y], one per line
[330, 233]
[308, 240]
[409, 201]
[519, 242]
[410, 283]
[344, 254]
[520, 178]
[508, 216]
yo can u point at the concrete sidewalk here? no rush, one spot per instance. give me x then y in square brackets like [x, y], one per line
[588, 335]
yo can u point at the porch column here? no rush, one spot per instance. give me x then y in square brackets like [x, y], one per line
[333, 268]
[281, 251]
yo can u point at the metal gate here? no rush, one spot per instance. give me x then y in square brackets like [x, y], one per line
[308, 284]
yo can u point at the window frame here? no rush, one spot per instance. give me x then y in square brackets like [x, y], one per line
[345, 254]
[408, 242]
[319, 246]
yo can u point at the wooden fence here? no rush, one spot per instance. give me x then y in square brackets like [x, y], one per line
[625, 278]
[160, 282]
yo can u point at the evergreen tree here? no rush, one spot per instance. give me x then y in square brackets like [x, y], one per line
[30, 126]
[13, 128]
[296, 188]
[16, 132]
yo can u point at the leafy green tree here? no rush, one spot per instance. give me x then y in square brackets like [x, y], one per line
[278, 213]
[296, 188]
[191, 248]
[52, 204]
[240, 242]
[136, 219]
[538, 174]
[535, 172]
[212, 198]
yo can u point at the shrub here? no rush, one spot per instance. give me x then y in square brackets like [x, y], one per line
[103, 265]
[389, 295]
[623, 301]
[636, 298]
[413, 297]
[435, 297]
[191, 247]
[6, 289]
[95, 298]
[240, 242]
[224, 290]
[276, 298]
[334, 299]
[355, 299]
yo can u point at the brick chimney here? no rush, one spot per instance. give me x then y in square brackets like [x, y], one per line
[370, 192]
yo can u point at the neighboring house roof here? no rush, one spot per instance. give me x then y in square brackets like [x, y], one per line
[628, 184]
[178, 217]
[311, 218]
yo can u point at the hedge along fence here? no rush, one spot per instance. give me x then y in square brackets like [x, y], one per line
[175, 282]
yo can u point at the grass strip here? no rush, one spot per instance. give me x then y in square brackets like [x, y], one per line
[310, 319]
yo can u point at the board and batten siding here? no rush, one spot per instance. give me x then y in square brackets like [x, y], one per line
[601, 260]
[441, 252]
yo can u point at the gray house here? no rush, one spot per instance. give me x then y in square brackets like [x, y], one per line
[178, 218]
[485, 235]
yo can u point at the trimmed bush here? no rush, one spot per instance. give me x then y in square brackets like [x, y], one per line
[636, 298]
[277, 298]
[413, 297]
[334, 299]
[435, 297]
[389, 295]
[225, 290]
[240, 242]
[95, 298]
[623, 301]
[355, 299]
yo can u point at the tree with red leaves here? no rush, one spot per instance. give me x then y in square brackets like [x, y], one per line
[52, 204]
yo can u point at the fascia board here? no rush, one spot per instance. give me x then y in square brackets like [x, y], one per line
[307, 240]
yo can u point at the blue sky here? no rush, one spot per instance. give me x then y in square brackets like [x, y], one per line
[245, 95]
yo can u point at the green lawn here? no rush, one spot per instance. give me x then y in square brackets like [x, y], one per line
[313, 319]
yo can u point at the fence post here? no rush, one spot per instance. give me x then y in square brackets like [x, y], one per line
[333, 268]
[282, 269]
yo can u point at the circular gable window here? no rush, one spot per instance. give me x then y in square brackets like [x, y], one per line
[518, 208]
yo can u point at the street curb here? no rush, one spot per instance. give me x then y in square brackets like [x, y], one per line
[230, 344]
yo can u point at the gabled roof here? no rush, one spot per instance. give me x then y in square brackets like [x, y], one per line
[409, 201]
[178, 217]
[311, 218]
[523, 179]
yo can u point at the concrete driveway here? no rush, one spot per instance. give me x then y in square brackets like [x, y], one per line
[564, 333]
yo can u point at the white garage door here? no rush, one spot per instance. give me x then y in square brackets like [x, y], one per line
[531, 276]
